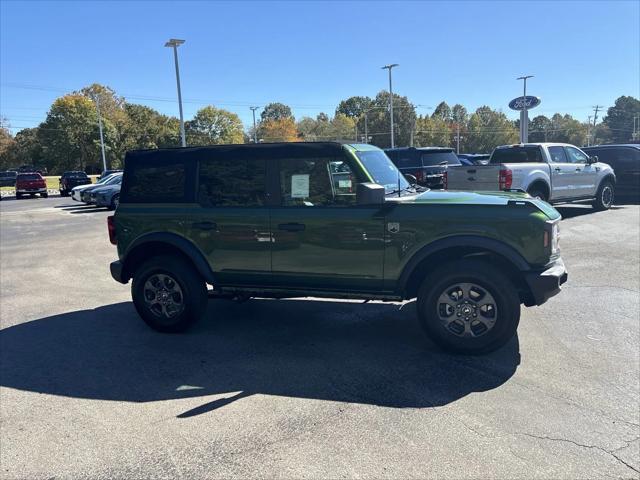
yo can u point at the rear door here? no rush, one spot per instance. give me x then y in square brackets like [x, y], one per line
[321, 238]
[230, 223]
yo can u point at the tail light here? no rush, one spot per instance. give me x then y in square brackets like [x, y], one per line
[505, 179]
[111, 226]
[445, 180]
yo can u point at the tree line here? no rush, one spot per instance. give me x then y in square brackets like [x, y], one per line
[68, 139]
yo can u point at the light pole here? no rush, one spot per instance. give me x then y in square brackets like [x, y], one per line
[389, 67]
[524, 118]
[255, 132]
[175, 43]
[96, 99]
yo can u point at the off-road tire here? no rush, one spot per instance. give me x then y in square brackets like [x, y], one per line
[193, 292]
[489, 278]
[604, 198]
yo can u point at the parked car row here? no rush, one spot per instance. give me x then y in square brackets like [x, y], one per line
[554, 172]
[104, 193]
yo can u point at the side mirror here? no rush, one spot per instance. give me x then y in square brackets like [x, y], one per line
[593, 159]
[411, 179]
[370, 194]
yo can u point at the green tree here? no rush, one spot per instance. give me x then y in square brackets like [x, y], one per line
[69, 135]
[7, 146]
[619, 119]
[27, 149]
[322, 128]
[443, 112]
[212, 126]
[459, 114]
[146, 128]
[276, 111]
[540, 129]
[487, 129]
[432, 132]
[354, 107]
[404, 116]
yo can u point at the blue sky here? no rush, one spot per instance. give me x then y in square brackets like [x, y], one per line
[312, 55]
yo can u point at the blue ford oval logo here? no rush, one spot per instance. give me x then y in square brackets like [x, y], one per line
[521, 102]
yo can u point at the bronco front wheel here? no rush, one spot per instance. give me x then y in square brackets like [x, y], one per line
[168, 294]
[469, 307]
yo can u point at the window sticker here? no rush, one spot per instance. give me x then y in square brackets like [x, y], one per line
[299, 186]
[344, 183]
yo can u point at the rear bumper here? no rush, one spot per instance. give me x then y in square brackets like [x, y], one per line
[31, 190]
[546, 283]
[117, 272]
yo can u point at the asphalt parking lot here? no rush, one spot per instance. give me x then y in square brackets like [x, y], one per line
[308, 388]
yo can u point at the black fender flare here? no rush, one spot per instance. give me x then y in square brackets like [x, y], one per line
[609, 176]
[186, 247]
[489, 245]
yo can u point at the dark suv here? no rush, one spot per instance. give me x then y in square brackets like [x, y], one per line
[625, 161]
[71, 179]
[427, 164]
[328, 220]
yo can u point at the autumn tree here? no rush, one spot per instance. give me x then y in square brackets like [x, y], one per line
[487, 129]
[282, 130]
[431, 132]
[378, 117]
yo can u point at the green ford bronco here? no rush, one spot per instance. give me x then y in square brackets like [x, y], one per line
[330, 220]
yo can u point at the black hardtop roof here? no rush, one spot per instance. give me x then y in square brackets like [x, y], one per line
[268, 151]
[614, 145]
[419, 149]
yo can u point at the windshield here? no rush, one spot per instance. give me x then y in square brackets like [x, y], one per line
[114, 179]
[382, 170]
[437, 158]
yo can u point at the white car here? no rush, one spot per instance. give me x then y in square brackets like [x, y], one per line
[554, 172]
[76, 192]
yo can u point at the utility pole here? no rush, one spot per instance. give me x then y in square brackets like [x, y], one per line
[589, 131]
[458, 138]
[175, 43]
[524, 117]
[595, 115]
[255, 132]
[96, 99]
[389, 67]
[366, 127]
[636, 127]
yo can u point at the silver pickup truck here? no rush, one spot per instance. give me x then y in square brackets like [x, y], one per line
[554, 172]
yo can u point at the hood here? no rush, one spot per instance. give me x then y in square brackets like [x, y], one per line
[449, 197]
[83, 187]
[105, 189]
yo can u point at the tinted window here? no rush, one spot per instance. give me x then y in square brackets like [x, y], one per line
[310, 182]
[437, 158]
[156, 183]
[406, 160]
[557, 155]
[516, 155]
[232, 183]
[575, 156]
[29, 176]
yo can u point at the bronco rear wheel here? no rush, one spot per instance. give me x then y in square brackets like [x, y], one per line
[168, 294]
[469, 307]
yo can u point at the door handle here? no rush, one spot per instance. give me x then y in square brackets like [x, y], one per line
[578, 170]
[204, 225]
[291, 227]
[558, 169]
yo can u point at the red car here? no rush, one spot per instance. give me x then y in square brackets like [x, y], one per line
[30, 184]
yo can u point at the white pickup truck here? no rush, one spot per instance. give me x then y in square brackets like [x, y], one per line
[554, 172]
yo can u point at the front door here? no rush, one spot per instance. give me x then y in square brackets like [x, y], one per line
[231, 226]
[321, 238]
[586, 175]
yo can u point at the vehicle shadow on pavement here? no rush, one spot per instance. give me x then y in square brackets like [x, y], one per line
[577, 210]
[341, 351]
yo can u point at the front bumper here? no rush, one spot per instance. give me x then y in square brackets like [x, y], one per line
[117, 272]
[546, 283]
[103, 200]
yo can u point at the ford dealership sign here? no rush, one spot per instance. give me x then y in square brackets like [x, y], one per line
[527, 102]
